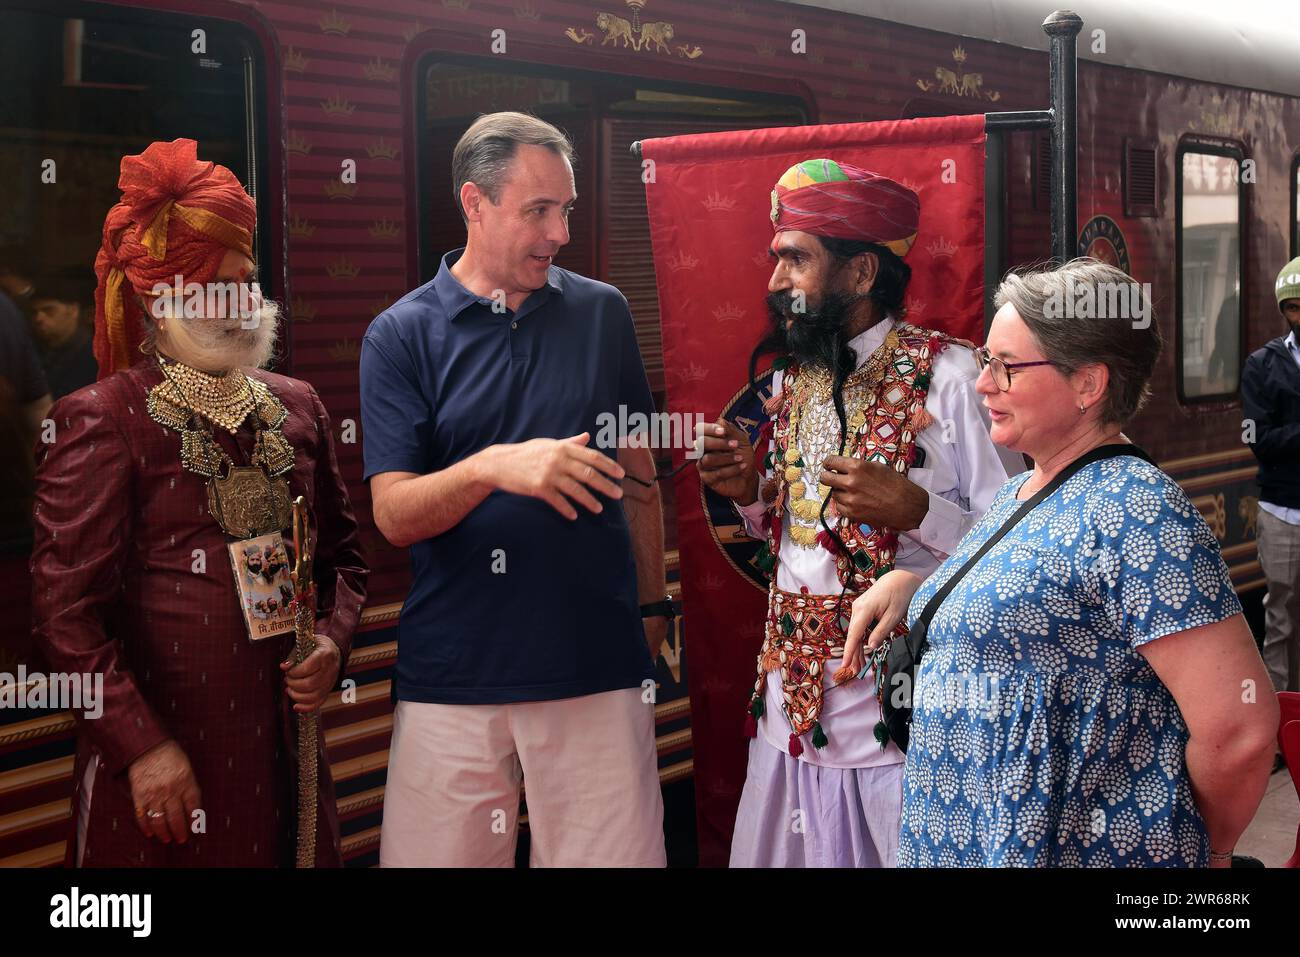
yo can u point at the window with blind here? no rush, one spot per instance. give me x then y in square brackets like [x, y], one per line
[1295, 207]
[1209, 226]
[603, 115]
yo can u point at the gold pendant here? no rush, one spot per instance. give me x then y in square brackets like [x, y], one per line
[246, 503]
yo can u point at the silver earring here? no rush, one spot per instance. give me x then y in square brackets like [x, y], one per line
[1083, 410]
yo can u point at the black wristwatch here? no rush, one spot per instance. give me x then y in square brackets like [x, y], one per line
[659, 609]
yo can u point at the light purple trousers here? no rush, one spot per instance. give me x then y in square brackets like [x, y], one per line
[794, 814]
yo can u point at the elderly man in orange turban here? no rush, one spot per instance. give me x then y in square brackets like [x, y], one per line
[155, 486]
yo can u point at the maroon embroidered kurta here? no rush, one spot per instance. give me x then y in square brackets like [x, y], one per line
[119, 526]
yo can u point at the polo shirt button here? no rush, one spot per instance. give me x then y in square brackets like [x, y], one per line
[514, 325]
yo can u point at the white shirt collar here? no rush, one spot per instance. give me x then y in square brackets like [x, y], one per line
[1289, 341]
[865, 343]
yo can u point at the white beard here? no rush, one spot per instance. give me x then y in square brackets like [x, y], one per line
[218, 345]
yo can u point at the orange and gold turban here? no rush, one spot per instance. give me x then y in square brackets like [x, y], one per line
[177, 216]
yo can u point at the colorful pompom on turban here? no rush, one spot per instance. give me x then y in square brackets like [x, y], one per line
[839, 201]
[177, 216]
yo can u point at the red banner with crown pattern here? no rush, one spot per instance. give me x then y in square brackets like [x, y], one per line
[709, 201]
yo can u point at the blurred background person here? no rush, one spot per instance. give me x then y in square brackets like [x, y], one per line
[61, 311]
[24, 401]
[1270, 398]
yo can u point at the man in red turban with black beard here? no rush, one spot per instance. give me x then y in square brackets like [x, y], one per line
[880, 458]
[157, 483]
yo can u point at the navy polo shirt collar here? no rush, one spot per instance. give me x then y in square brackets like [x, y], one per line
[455, 298]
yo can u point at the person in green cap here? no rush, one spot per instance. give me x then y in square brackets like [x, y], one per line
[1270, 390]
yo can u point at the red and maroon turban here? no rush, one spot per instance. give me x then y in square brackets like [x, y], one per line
[839, 201]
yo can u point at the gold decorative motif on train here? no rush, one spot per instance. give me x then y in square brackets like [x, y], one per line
[653, 36]
[1213, 511]
[1248, 512]
[956, 83]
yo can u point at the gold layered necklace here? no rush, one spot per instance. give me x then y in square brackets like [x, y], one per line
[814, 431]
[224, 400]
[246, 501]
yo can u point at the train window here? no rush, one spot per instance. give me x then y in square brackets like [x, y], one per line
[82, 85]
[1295, 207]
[1210, 214]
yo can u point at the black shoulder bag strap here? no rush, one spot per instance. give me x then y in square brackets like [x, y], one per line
[914, 645]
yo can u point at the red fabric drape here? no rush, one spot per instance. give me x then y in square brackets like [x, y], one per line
[709, 202]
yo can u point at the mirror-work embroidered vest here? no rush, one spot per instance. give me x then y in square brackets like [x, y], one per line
[884, 410]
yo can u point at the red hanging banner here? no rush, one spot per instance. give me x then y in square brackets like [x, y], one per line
[709, 200]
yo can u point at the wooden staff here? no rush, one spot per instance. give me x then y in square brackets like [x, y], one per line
[304, 626]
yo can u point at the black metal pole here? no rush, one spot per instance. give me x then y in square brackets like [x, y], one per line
[1063, 27]
[1016, 121]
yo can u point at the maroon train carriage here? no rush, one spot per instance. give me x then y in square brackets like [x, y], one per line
[341, 118]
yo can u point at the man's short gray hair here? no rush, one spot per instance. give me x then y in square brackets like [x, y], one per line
[1126, 339]
[484, 152]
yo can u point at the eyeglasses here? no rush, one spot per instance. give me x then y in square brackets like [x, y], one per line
[1000, 370]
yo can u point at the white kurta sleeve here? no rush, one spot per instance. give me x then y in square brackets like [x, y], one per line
[754, 516]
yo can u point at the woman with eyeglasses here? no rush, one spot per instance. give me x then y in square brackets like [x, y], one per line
[1091, 695]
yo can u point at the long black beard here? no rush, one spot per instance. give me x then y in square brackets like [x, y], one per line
[816, 337]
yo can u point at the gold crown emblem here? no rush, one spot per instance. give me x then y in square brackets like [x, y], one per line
[300, 310]
[765, 49]
[739, 13]
[839, 91]
[728, 312]
[384, 229]
[859, 63]
[381, 149]
[680, 260]
[295, 61]
[916, 307]
[941, 248]
[297, 143]
[411, 32]
[337, 190]
[341, 268]
[716, 202]
[301, 227]
[526, 11]
[335, 24]
[379, 305]
[693, 373]
[959, 54]
[337, 106]
[346, 350]
[377, 69]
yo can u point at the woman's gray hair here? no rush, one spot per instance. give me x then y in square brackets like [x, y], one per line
[1090, 312]
[484, 152]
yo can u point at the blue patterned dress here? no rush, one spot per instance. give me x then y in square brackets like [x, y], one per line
[1040, 737]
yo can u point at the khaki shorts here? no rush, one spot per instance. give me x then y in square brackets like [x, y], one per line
[589, 766]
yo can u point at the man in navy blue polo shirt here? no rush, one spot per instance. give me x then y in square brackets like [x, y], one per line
[521, 647]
